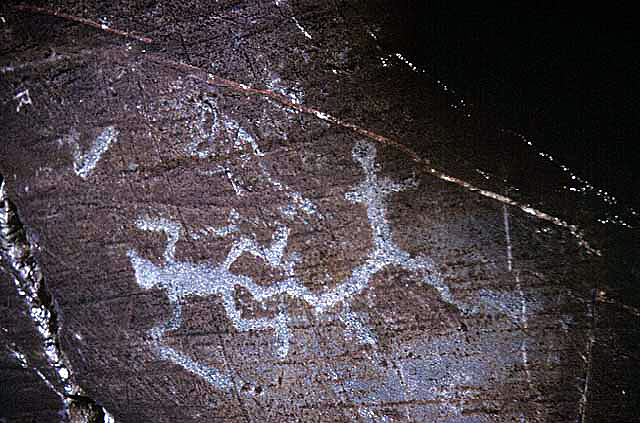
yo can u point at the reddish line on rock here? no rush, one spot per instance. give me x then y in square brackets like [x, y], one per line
[236, 86]
[43, 11]
[247, 90]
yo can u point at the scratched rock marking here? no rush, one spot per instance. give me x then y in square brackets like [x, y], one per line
[84, 163]
[216, 134]
[180, 279]
[211, 126]
[23, 99]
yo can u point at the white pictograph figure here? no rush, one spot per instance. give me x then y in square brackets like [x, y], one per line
[180, 279]
[23, 99]
[85, 161]
[210, 126]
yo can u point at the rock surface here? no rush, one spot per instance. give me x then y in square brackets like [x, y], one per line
[260, 211]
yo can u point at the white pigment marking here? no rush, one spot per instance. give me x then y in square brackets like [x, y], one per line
[232, 136]
[23, 99]
[222, 135]
[354, 327]
[180, 279]
[53, 58]
[573, 229]
[242, 136]
[295, 95]
[212, 127]
[84, 163]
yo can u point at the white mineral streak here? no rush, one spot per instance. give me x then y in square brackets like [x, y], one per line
[507, 234]
[84, 163]
[16, 255]
[180, 279]
[573, 229]
[301, 28]
[22, 359]
[523, 303]
[584, 185]
[28, 278]
[108, 418]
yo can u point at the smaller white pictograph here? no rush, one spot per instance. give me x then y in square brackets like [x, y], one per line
[85, 162]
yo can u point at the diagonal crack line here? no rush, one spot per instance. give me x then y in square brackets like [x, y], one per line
[211, 79]
[84, 21]
[216, 80]
[16, 255]
[201, 74]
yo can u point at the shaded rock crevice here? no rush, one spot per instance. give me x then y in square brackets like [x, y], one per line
[17, 260]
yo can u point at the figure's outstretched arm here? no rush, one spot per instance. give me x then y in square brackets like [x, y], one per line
[171, 229]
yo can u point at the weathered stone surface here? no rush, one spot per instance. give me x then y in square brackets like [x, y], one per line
[21, 382]
[257, 212]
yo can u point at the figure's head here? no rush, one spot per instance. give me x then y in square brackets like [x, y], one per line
[145, 272]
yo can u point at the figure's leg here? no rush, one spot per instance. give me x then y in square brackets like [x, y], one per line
[158, 331]
[216, 377]
[176, 319]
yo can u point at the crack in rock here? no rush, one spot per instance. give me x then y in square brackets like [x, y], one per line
[17, 258]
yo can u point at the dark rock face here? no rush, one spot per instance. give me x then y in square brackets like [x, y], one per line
[250, 211]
